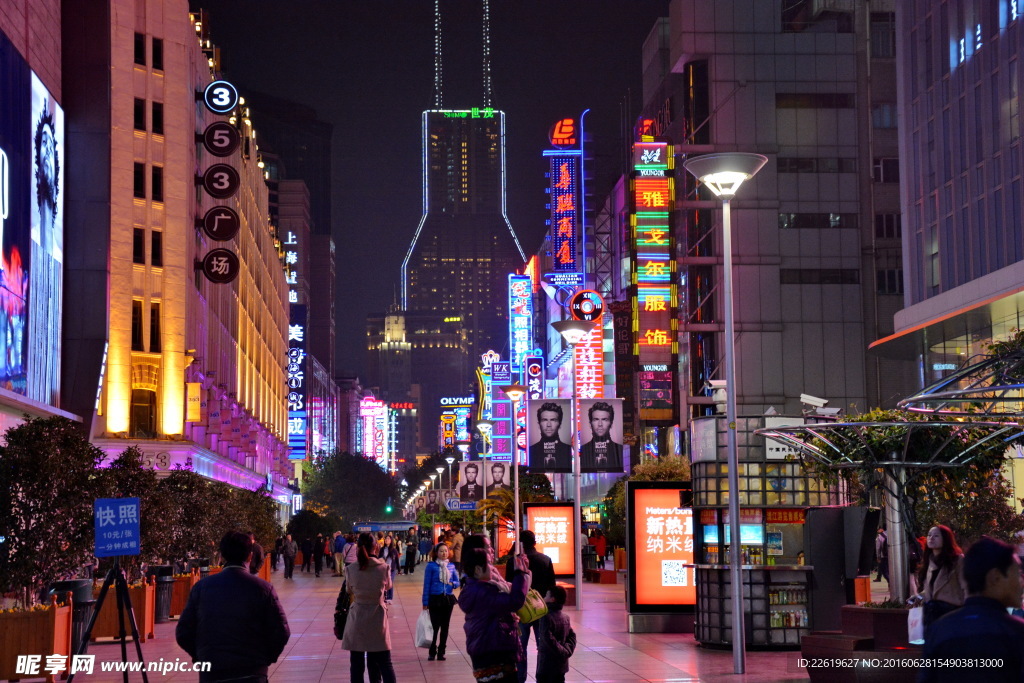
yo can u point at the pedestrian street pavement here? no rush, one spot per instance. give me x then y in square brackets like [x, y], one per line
[605, 650]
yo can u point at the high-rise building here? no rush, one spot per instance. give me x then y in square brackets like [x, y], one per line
[464, 247]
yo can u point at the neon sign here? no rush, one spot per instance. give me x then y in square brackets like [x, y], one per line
[520, 317]
[564, 167]
[563, 134]
[298, 416]
[374, 417]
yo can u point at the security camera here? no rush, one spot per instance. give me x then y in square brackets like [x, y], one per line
[716, 383]
[813, 401]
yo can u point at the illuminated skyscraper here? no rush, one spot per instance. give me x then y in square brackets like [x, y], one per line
[464, 248]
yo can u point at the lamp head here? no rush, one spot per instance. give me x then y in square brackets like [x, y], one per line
[514, 392]
[573, 331]
[440, 469]
[432, 478]
[484, 427]
[725, 172]
[449, 460]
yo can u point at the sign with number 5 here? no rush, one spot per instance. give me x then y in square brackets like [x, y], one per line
[221, 139]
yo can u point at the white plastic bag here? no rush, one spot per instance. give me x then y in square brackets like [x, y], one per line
[915, 625]
[424, 630]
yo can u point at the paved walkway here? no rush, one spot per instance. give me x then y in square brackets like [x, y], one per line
[606, 651]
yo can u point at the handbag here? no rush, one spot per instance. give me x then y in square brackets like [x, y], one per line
[915, 625]
[424, 630]
[533, 609]
[933, 609]
[341, 608]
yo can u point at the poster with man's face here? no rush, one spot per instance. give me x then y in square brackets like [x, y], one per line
[498, 476]
[549, 433]
[601, 435]
[420, 502]
[471, 480]
[433, 505]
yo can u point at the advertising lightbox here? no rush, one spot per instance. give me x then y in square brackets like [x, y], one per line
[557, 536]
[661, 572]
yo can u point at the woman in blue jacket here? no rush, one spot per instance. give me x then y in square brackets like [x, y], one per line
[492, 633]
[440, 579]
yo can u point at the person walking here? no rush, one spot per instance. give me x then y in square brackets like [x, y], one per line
[351, 550]
[389, 553]
[410, 553]
[318, 554]
[307, 554]
[556, 641]
[882, 555]
[440, 578]
[289, 549]
[981, 630]
[457, 540]
[367, 636]
[275, 554]
[600, 544]
[492, 639]
[425, 547]
[233, 620]
[339, 553]
[257, 555]
[940, 578]
[543, 581]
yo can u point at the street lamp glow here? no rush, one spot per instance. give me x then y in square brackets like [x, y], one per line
[723, 174]
[573, 331]
[515, 392]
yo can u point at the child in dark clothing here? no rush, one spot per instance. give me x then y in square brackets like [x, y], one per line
[556, 641]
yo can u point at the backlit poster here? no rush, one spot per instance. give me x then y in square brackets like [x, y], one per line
[471, 481]
[660, 534]
[549, 433]
[557, 536]
[601, 448]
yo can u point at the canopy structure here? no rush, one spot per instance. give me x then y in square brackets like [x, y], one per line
[990, 387]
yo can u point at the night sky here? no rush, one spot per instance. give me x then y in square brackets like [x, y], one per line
[367, 68]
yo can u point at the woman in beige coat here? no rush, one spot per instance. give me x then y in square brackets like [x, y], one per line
[366, 629]
[940, 579]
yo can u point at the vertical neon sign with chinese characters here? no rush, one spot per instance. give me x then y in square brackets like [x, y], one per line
[520, 317]
[652, 198]
[374, 417]
[298, 417]
[564, 167]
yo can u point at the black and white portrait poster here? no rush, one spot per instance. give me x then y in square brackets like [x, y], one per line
[601, 434]
[499, 476]
[471, 480]
[548, 433]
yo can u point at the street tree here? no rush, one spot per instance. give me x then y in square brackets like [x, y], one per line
[350, 486]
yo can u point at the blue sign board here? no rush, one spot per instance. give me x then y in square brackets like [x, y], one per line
[501, 372]
[370, 527]
[117, 526]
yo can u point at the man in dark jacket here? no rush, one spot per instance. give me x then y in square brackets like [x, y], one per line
[543, 581]
[233, 619]
[289, 549]
[981, 630]
[257, 555]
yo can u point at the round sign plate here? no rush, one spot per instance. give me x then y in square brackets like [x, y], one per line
[221, 181]
[221, 223]
[586, 305]
[221, 266]
[220, 97]
[221, 139]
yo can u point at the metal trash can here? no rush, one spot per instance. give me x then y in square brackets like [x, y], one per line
[164, 574]
[82, 606]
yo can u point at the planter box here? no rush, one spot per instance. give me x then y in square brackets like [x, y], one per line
[40, 632]
[888, 627]
[868, 633]
[264, 572]
[180, 592]
[143, 599]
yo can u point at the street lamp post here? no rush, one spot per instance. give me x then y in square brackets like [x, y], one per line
[485, 427]
[573, 332]
[450, 460]
[723, 174]
[515, 392]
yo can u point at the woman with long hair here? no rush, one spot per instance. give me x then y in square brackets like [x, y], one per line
[366, 630]
[389, 553]
[440, 579]
[940, 578]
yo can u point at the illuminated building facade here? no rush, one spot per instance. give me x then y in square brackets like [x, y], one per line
[464, 247]
[167, 325]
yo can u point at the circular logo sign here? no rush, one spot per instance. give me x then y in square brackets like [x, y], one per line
[563, 134]
[586, 305]
[221, 266]
[220, 97]
[221, 181]
[221, 223]
[221, 139]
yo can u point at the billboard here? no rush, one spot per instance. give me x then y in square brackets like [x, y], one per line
[564, 168]
[497, 475]
[373, 415]
[549, 434]
[661, 571]
[32, 167]
[471, 480]
[601, 435]
[557, 536]
[520, 317]
[298, 413]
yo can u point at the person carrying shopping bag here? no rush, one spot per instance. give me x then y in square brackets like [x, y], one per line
[439, 582]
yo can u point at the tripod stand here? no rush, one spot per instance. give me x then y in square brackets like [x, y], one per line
[116, 576]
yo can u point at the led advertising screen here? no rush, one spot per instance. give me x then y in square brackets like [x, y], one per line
[32, 167]
[661, 573]
[557, 536]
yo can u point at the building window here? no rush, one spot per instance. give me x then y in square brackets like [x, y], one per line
[883, 115]
[813, 165]
[140, 180]
[814, 100]
[154, 328]
[158, 183]
[888, 226]
[157, 118]
[140, 49]
[890, 280]
[158, 53]
[137, 326]
[819, 276]
[887, 170]
[143, 414]
[139, 246]
[883, 35]
[156, 255]
[816, 221]
[140, 114]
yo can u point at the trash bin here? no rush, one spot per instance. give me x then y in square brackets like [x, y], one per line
[164, 574]
[202, 565]
[82, 605]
